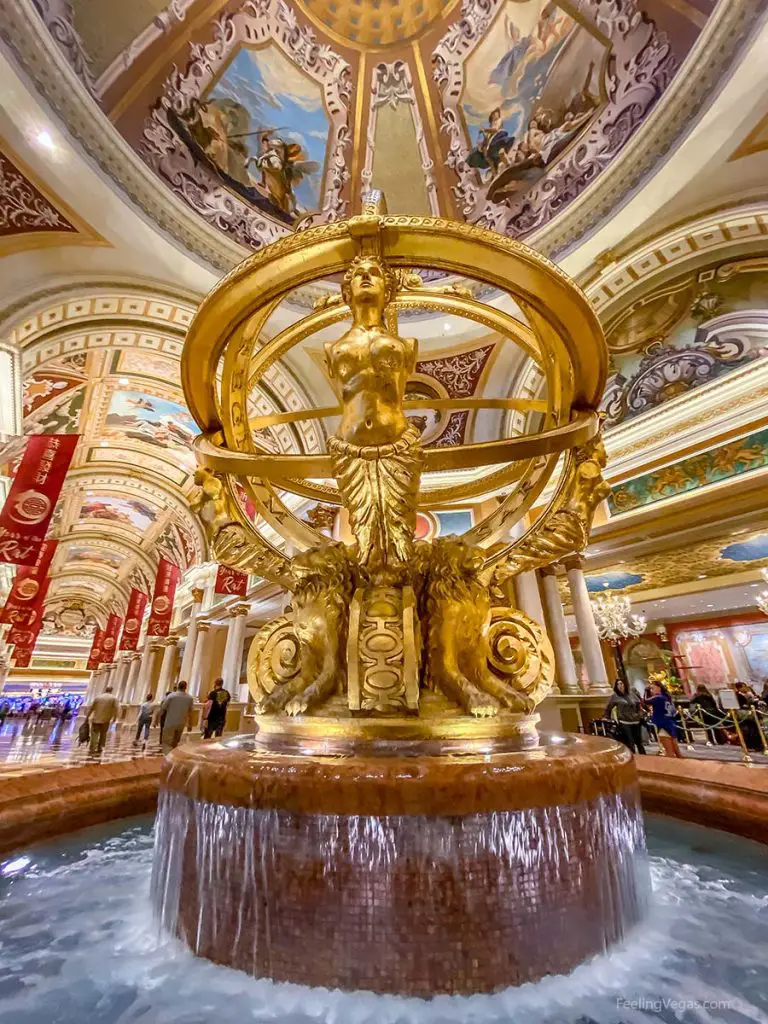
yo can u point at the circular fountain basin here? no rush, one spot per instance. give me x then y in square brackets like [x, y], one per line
[401, 874]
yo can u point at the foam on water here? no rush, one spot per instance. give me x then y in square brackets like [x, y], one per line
[78, 943]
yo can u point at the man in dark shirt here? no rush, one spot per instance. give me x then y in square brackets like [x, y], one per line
[216, 710]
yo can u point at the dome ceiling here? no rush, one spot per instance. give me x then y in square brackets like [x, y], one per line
[264, 115]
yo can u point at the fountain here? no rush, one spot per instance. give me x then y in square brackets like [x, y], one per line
[397, 823]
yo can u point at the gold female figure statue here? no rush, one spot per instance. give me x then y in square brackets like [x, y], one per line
[377, 455]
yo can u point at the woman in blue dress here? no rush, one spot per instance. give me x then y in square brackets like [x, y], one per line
[663, 714]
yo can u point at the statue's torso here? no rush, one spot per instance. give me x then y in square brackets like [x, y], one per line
[371, 368]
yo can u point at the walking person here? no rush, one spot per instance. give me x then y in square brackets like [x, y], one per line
[101, 714]
[626, 709]
[174, 714]
[663, 715]
[215, 714]
[146, 713]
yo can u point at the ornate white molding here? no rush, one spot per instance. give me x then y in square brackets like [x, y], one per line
[702, 239]
[39, 58]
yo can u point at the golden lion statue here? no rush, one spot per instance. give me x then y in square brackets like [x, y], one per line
[456, 609]
[315, 635]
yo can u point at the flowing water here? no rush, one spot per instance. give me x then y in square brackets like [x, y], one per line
[79, 945]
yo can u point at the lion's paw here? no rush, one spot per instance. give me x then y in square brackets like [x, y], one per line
[297, 706]
[480, 704]
[484, 710]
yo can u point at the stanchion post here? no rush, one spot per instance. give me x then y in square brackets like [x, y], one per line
[686, 731]
[760, 732]
[744, 752]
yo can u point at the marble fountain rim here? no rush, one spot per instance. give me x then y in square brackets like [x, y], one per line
[581, 770]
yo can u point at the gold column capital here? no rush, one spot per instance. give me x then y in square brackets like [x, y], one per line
[197, 595]
[548, 570]
[575, 561]
[239, 609]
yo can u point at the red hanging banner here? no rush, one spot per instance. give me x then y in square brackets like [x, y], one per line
[33, 495]
[22, 657]
[231, 581]
[26, 636]
[137, 602]
[29, 588]
[166, 581]
[26, 598]
[94, 658]
[109, 643]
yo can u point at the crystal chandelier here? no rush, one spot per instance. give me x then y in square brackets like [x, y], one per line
[614, 618]
[762, 597]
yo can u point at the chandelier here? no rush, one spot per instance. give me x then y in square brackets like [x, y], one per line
[762, 597]
[614, 618]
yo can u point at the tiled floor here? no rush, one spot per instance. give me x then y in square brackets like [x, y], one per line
[31, 746]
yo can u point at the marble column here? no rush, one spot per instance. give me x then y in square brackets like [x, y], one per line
[131, 690]
[199, 675]
[93, 684]
[121, 678]
[109, 675]
[146, 668]
[233, 652]
[558, 633]
[188, 658]
[528, 598]
[168, 666]
[585, 623]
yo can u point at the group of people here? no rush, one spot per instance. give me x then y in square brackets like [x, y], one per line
[630, 712]
[173, 714]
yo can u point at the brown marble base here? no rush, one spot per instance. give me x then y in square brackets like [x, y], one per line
[732, 797]
[42, 804]
[417, 875]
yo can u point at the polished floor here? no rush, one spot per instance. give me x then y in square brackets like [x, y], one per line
[26, 744]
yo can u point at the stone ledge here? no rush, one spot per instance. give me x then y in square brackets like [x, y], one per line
[43, 804]
[732, 797]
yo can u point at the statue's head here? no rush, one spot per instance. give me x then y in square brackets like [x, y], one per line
[368, 281]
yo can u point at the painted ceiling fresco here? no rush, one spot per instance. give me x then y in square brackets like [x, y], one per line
[265, 115]
[125, 500]
[685, 334]
[720, 556]
[746, 455]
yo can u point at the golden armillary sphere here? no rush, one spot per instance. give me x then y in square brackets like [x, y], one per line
[386, 628]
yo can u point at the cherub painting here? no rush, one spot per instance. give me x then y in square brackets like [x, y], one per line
[532, 86]
[264, 129]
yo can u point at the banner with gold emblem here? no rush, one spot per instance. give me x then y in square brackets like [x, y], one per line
[94, 658]
[28, 509]
[137, 603]
[166, 581]
[111, 633]
[26, 635]
[30, 585]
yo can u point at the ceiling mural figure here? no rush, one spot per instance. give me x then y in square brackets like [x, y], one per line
[258, 123]
[538, 97]
[263, 129]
